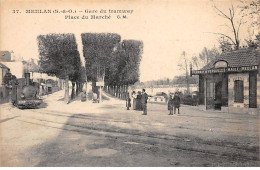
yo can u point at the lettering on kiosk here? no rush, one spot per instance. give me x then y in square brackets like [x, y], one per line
[229, 69]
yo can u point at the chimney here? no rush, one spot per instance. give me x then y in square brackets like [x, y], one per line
[27, 78]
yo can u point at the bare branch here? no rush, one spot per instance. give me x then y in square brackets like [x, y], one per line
[221, 13]
[233, 10]
[227, 26]
[223, 35]
[239, 27]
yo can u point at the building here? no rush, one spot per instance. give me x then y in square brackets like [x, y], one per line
[3, 90]
[5, 56]
[231, 82]
[16, 68]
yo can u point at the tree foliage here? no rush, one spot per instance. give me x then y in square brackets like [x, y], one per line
[118, 61]
[97, 50]
[133, 55]
[59, 55]
[126, 60]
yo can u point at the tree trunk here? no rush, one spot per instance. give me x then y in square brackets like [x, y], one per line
[77, 88]
[66, 96]
[100, 93]
[120, 92]
[117, 91]
[73, 90]
[113, 90]
[81, 87]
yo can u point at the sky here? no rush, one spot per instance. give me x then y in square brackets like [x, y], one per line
[166, 27]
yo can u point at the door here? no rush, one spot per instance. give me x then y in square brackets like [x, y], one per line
[210, 94]
[218, 95]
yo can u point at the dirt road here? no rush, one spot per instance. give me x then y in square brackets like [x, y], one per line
[106, 134]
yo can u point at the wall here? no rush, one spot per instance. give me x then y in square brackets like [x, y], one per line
[258, 92]
[167, 90]
[3, 92]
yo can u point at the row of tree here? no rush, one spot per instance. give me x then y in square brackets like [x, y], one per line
[107, 59]
[111, 60]
[59, 56]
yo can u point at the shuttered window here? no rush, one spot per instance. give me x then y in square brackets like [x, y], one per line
[239, 91]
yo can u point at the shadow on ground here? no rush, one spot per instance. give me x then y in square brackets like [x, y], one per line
[81, 143]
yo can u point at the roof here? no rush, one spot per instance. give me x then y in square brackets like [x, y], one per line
[16, 68]
[238, 58]
[3, 66]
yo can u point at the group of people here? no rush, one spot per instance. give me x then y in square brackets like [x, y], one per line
[174, 103]
[139, 101]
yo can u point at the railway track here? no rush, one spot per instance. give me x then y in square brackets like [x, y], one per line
[84, 125]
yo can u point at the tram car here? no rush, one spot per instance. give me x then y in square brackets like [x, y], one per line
[25, 93]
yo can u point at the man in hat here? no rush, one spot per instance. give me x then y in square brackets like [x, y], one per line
[144, 101]
[176, 103]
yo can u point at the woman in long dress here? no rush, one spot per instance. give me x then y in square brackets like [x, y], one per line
[138, 101]
[134, 100]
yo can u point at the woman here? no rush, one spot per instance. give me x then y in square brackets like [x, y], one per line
[138, 101]
[134, 100]
[170, 105]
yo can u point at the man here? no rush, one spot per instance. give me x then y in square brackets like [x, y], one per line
[176, 103]
[144, 101]
[128, 101]
[170, 105]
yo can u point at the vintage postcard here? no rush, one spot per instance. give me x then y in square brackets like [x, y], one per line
[129, 83]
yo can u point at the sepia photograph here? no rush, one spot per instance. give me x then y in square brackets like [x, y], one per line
[129, 83]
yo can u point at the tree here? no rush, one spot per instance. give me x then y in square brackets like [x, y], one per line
[250, 10]
[204, 57]
[132, 56]
[59, 56]
[234, 25]
[183, 65]
[97, 50]
[124, 70]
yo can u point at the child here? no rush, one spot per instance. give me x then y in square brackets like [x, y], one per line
[170, 105]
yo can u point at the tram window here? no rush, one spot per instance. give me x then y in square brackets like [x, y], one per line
[239, 91]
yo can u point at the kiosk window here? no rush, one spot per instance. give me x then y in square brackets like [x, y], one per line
[239, 91]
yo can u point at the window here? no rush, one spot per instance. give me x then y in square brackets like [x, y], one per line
[239, 91]
[210, 92]
[221, 64]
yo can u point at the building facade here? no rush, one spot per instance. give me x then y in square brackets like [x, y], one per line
[231, 82]
[3, 89]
